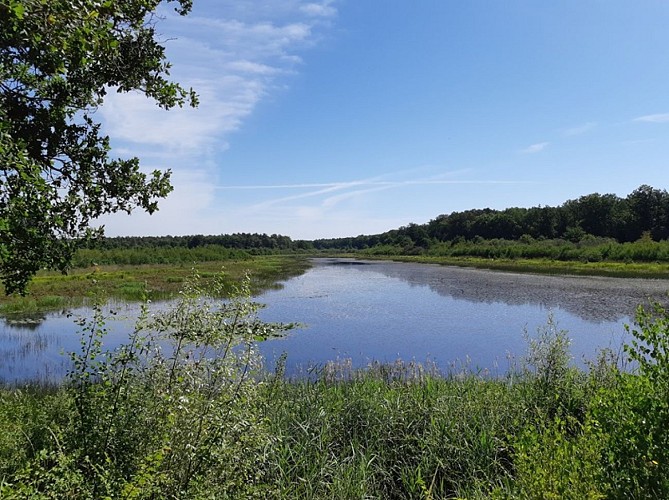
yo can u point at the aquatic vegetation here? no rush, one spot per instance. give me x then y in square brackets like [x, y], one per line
[52, 291]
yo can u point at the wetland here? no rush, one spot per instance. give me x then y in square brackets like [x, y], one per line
[359, 312]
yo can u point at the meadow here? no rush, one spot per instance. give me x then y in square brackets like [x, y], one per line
[139, 274]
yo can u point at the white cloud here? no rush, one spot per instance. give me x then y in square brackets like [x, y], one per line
[180, 213]
[232, 64]
[580, 129]
[535, 148]
[224, 103]
[657, 118]
[323, 9]
[253, 68]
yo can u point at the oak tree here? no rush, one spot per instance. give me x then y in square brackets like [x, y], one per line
[58, 60]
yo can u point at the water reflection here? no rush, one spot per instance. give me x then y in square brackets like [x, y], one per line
[36, 347]
[25, 321]
[381, 311]
[594, 299]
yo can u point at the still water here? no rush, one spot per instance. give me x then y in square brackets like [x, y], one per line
[365, 311]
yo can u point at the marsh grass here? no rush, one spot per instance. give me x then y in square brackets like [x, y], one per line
[52, 291]
[392, 431]
[619, 269]
[31, 305]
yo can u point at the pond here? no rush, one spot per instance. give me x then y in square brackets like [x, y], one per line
[366, 311]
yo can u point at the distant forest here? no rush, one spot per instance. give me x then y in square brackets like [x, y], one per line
[644, 213]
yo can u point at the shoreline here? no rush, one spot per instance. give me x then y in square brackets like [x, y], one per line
[535, 266]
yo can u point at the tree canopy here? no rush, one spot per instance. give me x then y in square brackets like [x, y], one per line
[58, 60]
[645, 211]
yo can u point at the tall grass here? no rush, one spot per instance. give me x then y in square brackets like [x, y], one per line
[589, 249]
[157, 255]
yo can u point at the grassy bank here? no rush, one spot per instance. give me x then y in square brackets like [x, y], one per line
[206, 421]
[51, 291]
[592, 256]
[652, 270]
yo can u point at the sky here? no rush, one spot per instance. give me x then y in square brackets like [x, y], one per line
[334, 118]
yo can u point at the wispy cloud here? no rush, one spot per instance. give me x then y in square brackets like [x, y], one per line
[579, 129]
[300, 210]
[341, 185]
[136, 120]
[657, 118]
[233, 59]
[330, 194]
[535, 148]
[633, 142]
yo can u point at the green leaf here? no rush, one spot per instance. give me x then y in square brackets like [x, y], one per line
[19, 10]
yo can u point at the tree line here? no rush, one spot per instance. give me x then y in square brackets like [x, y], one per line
[644, 212]
[253, 242]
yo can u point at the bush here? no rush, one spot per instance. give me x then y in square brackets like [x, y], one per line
[173, 411]
[634, 413]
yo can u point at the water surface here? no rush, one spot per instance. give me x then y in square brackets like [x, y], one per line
[383, 311]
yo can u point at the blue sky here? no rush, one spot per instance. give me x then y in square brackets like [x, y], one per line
[344, 117]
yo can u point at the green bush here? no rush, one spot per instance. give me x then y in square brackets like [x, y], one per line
[171, 413]
[634, 413]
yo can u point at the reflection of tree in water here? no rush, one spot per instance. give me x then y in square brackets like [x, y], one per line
[25, 322]
[22, 344]
[591, 298]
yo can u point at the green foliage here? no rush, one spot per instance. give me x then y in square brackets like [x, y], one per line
[169, 255]
[254, 243]
[634, 413]
[30, 417]
[389, 431]
[58, 59]
[557, 462]
[591, 228]
[554, 388]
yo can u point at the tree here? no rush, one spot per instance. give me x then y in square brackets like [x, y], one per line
[650, 212]
[596, 214]
[58, 59]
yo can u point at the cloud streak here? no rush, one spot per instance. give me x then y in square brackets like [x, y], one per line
[340, 191]
[656, 118]
[368, 183]
[579, 129]
[535, 148]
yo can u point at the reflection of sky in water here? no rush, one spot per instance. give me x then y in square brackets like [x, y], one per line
[383, 311]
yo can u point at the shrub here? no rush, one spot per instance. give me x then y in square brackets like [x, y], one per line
[634, 413]
[170, 414]
[553, 388]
